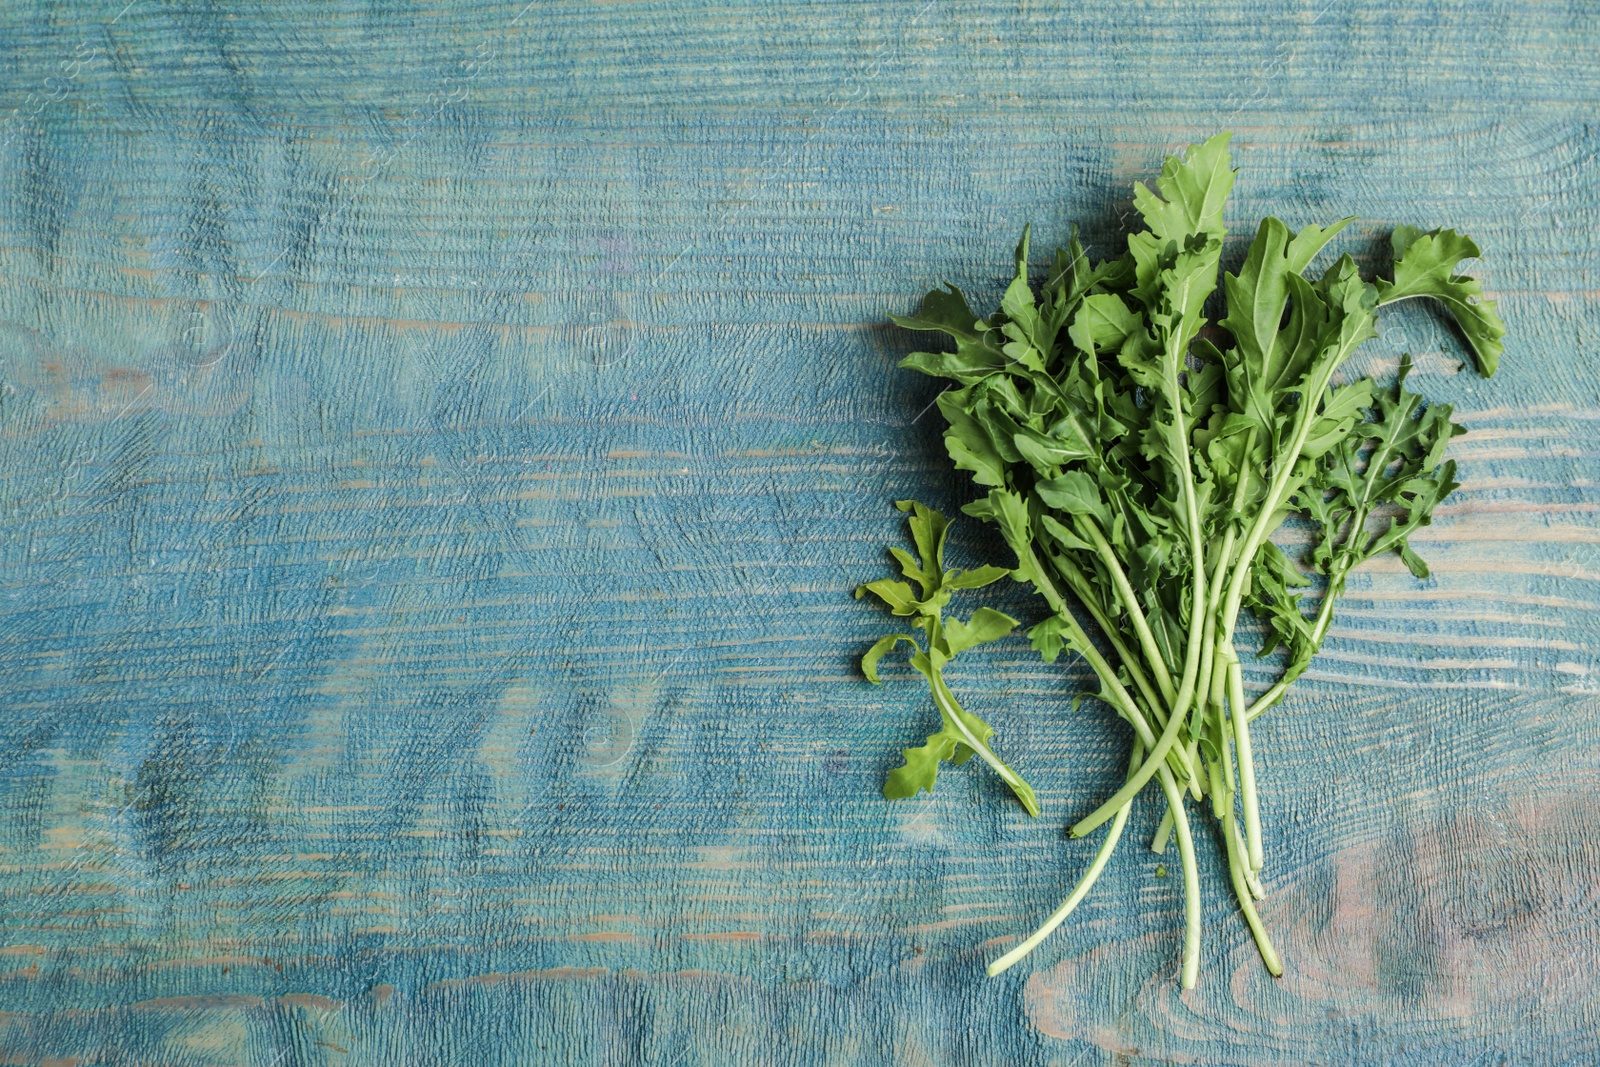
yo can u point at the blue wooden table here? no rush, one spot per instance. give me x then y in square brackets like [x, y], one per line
[437, 443]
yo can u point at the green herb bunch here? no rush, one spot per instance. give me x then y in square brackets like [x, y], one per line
[1137, 461]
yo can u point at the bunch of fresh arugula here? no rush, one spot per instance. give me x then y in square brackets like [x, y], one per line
[1137, 464]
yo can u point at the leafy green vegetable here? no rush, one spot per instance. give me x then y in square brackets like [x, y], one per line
[1424, 265]
[1137, 464]
[961, 733]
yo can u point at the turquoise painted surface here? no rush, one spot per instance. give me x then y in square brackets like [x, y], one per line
[437, 444]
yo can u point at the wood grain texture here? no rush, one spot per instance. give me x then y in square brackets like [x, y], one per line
[437, 443]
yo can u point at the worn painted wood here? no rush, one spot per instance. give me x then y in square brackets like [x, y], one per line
[436, 443]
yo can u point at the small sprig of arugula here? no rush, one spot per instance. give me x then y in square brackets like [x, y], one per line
[1137, 464]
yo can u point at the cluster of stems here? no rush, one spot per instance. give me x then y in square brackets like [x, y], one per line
[1207, 703]
[1192, 735]
[1169, 723]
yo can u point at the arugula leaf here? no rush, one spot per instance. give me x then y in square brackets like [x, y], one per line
[946, 311]
[1010, 512]
[1270, 597]
[968, 442]
[1074, 493]
[1310, 240]
[1195, 190]
[921, 767]
[976, 578]
[1392, 462]
[1050, 638]
[1104, 322]
[942, 639]
[1424, 265]
[985, 626]
[961, 735]
[875, 654]
[928, 529]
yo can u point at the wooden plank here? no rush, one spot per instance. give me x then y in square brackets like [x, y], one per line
[437, 444]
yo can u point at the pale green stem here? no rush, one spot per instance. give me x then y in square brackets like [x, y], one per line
[1241, 486]
[1250, 878]
[1191, 870]
[952, 710]
[1080, 587]
[1245, 887]
[1221, 791]
[1123, 701]
[1207, 658]
[1197, 593]
[1319, 629]
[1211, 679]
[1191, 880]
[1192, 751]
[1130, 602]
[1147, 641]
[1312, 399]
[1247, 767]
[1226, 737]
[1120, 697]
[1135, 782]
[1158, 843]
[1267, 699]
[1079, 891]
[1241, 890]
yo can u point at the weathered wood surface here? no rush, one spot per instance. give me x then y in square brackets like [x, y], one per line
[436, 444]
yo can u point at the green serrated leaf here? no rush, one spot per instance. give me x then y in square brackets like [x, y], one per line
[1424, 265]
[875, 654]
[1193, 192]
[928, 530]
[1271, 558]
[1018, 302]
[1075, 493]
[1047, 638]
[1103, 323]
[1309, 241]
[968, 442]
[986, 625]
[1064, 536]
[976, 578]
[968, 364]
[1051, 637]
[1272, 578]
[1348, 400]
[981, 508]
[913, 571]
[1257, 297]
[1415, 563]
[1341, 411]
[898, 595]
[1010, 513]
[944, 310]
[1044, 453]
[953, 742]
[920, 769]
